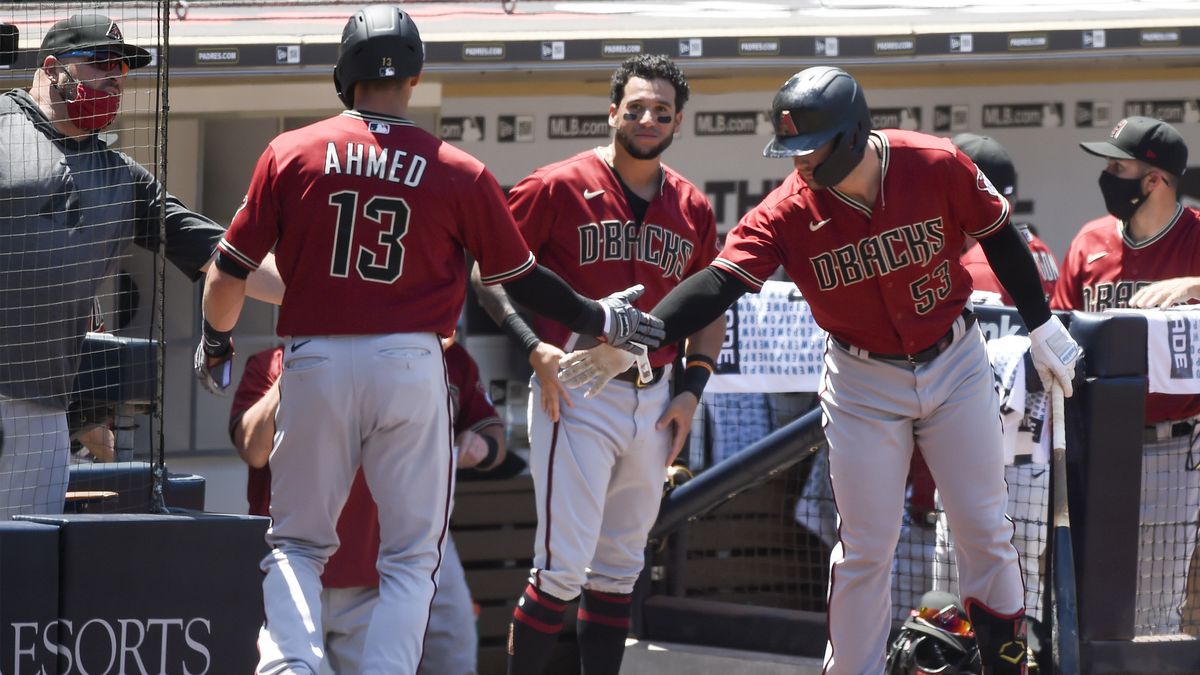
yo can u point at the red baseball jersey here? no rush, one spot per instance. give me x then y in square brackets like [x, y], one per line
[575, 218]
[984, 279]
[353, 564]
[1104, 268]
[884, 277]
[368, 216]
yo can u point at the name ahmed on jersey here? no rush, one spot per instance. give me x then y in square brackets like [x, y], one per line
[371, 161]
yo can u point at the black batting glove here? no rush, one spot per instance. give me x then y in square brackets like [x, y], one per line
[626, 323]
[214, 344]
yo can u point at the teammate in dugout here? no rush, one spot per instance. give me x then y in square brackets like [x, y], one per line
[870, 226]
[1145, 254]
[604, 218]
[71, 207]
[369, 217]
[351, 582]
[991, 158]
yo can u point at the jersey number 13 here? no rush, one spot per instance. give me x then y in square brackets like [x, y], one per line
[383, 265]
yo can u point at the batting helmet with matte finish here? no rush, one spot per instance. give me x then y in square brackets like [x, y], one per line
[816, 106]
[378, 42]
[926, 648]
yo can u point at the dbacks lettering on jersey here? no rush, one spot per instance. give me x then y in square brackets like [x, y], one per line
[376, 164]
[1111, 294]
[880, 255]
[653, 244]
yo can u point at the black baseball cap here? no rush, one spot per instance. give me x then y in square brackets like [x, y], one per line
[90, 31]
[992, 159]
[1152, 141]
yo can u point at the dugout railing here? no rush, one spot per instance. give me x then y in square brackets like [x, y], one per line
[738, 505]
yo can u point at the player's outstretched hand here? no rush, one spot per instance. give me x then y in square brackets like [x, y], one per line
[596, 366]
[1163, 294]
[1054, 354]
[625, 323]
[214, 372]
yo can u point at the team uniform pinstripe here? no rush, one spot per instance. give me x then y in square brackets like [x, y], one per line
[885, 278]
[369, 217]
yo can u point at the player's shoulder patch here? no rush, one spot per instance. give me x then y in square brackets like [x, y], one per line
[983, 184]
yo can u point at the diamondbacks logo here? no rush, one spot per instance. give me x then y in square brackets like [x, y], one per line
[984, 185]
[787, 127]
[114, 32]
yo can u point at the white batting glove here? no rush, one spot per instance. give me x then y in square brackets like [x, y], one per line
[596, 366]
[1054, 354]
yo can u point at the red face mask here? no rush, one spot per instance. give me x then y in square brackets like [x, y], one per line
[91, 109]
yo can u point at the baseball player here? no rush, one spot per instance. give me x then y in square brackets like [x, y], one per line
[71, 208]
[351, 582]
[991, 158]
[870, 227]
[369, 217]
[1146, 253]
[604, 218]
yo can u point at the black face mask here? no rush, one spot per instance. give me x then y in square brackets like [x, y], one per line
[1122, 196]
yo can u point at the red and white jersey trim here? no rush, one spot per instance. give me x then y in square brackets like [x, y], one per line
[236, 255]
[515, 273]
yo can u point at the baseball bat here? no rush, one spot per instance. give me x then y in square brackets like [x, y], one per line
[1065, 627]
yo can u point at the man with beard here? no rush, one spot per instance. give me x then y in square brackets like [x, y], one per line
[603, 219]
[1145, 253]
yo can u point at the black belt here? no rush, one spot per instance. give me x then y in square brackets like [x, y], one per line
[1178, 430]
[631, 376]
[925, 355]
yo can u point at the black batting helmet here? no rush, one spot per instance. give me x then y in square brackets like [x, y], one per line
[925, 648]
[378, 42]
[816, 106]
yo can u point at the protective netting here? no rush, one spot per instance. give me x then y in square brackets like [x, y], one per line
[769, 546]
[69, 211]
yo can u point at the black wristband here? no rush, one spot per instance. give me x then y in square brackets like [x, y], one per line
[695, 376]
[216, 342]
[489, 460]
[516, 329]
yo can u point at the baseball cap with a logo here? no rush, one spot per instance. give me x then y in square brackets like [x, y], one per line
[1152, 141]
[90, 31]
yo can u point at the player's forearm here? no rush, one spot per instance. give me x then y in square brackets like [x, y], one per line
[224, 296]
[1009, 256]
[698, 302]
[264, 283]
[545, 292]
[496, 304]
[494, 432]
[254, 433]
[700, 355]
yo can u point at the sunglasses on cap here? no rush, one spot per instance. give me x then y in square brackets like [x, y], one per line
[946, 619]
[106, 61]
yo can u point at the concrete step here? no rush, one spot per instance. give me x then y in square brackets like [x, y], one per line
[665, 658]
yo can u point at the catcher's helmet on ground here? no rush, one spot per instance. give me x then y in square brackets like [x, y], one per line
[935, 640]
[378, 42]
[816, 106]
